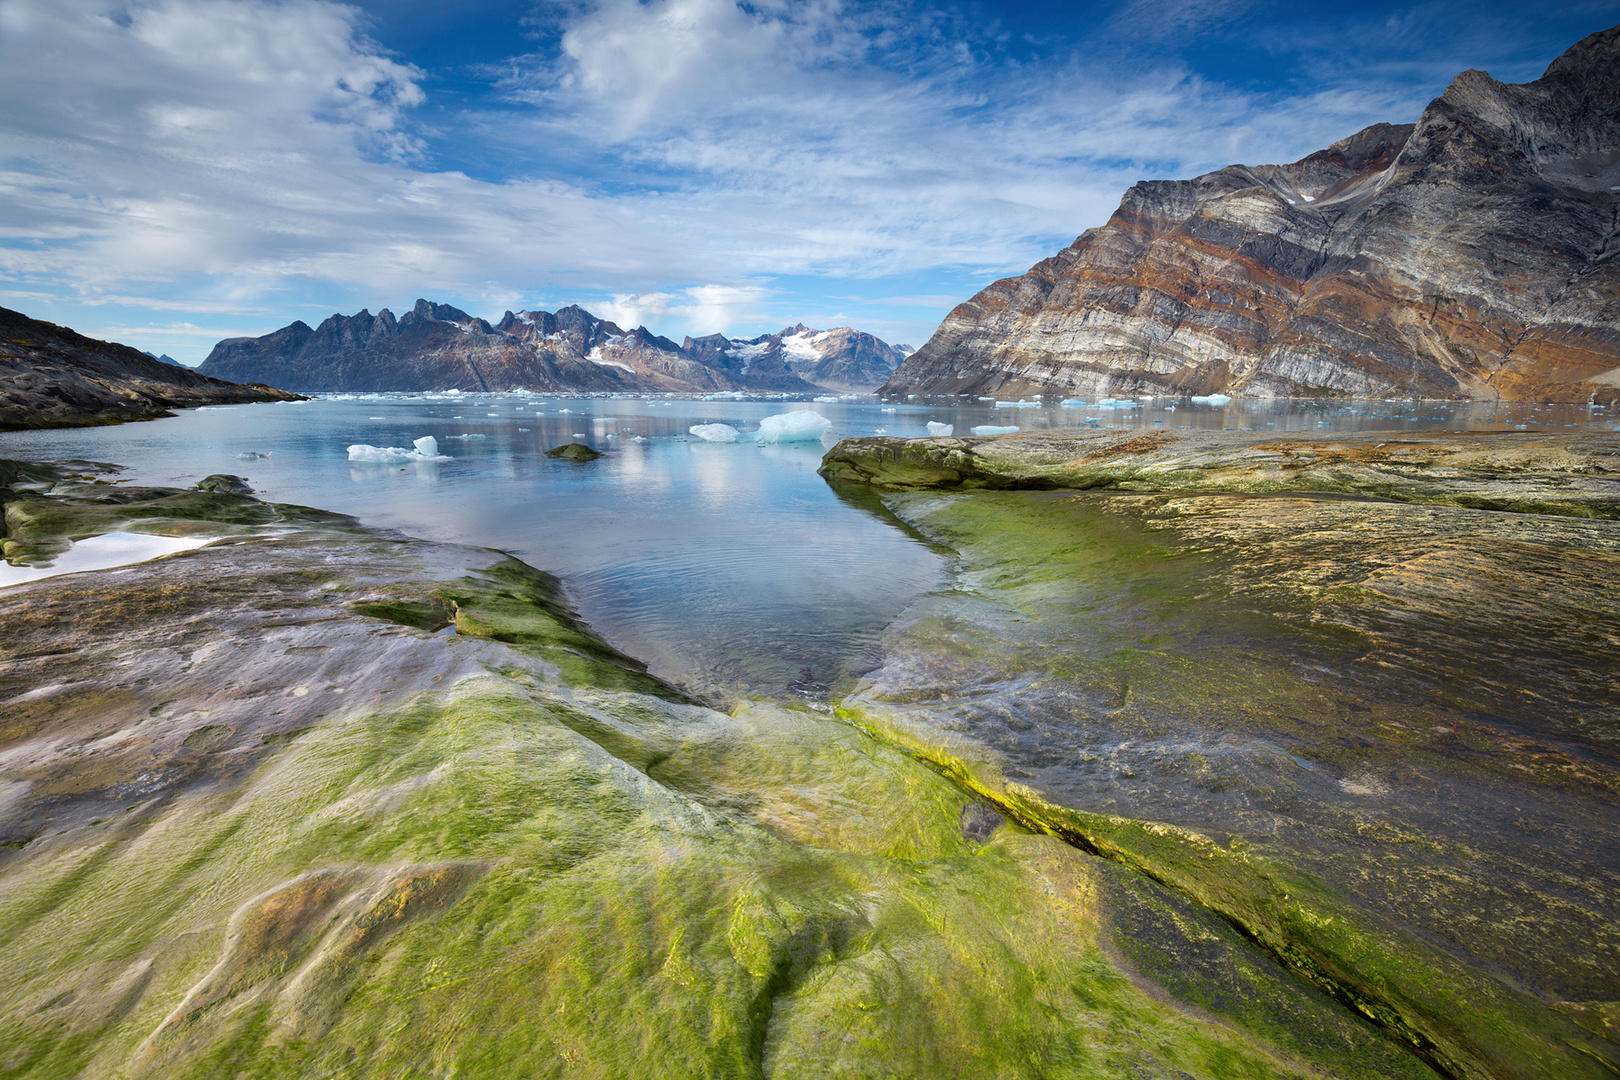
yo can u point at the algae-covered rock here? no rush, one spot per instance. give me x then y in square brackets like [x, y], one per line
[261, 820]
[1576, 475]
[225, 482]
[1374, 737]
[573, 452]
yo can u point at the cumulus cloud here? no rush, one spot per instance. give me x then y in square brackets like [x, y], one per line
[698, 310]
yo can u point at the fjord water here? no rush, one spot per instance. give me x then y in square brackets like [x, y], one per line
[732, 569]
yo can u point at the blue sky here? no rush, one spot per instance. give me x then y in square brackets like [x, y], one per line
[177, 171]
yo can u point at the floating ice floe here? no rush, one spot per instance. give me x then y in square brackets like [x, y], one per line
[827, 399]
[252, 455]
[1212, 399]
[1018, 404]
[1072, 403]
[935, 428]
[714, 432]
[801, 425]
[426, 449]
[991, 429]
[886, 410]
[466, 436]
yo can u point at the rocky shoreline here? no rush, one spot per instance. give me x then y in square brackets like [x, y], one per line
[266, 813]
[1323, 685]
[54, 377]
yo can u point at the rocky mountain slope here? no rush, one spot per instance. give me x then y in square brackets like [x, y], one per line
[1470, 255]
[438, 347]
[53, 377]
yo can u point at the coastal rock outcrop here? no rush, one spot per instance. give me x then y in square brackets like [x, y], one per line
[51, 376]
[438, 347]
[1470, 255]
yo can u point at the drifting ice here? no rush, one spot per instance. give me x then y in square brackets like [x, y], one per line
[1072, 403]
[714, 432]
[803, 425]
[427, 449]
[991, 429]
[1213, 399]
[936, 428]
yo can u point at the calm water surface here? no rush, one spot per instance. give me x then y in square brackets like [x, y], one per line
[730, 568]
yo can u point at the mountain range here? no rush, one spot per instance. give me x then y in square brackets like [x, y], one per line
[1471, 255]
[438, 347]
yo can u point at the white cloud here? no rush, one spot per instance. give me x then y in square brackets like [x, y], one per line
[699, 310]
[680, 155]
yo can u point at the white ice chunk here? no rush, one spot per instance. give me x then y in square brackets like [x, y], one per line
[801, 425]
[936, 429]
[991, 429]
[1072, 403]
[714, 432]
[1212, 399]
[427, 449]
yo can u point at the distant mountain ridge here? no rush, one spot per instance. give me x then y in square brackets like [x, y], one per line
[1472, 255]
[51, 376]
[439, 347]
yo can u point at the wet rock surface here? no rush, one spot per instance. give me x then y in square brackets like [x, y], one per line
[1377, 736]
[265, 816]
[1575, 474]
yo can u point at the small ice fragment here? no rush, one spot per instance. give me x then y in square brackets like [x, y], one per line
[937, 429]
[1212, 399]
[1072, 403]
[714, 432]
[991, 429]
[427, 449]
[886, 410]
[801, 425]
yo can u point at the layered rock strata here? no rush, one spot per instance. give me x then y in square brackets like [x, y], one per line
[1470, 255]
[438, 347]
[51, 376]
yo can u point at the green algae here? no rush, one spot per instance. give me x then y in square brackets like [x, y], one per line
[467, 885]
[1516, 472]
[1099, 610]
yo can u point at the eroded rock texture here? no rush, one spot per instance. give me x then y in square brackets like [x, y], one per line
[53, 377]
[1469, 255]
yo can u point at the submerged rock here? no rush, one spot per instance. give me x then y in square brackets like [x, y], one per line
[573, 452]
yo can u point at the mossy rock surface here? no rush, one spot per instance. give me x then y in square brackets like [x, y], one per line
[276, 820]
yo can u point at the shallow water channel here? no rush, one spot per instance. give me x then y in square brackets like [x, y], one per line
[731, 569]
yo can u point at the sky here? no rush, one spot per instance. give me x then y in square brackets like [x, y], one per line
[174, 172]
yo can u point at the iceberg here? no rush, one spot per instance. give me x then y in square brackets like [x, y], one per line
[1072, 403]
[426, 449]
[802, 425]
[1212, 399]
[991, 429]
[714, 432]
[935, 428]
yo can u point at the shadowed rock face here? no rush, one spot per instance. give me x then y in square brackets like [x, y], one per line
[438, 347]
[1469, 255]
[53, 377]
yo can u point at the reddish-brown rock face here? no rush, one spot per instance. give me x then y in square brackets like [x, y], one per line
[1469, 255]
